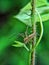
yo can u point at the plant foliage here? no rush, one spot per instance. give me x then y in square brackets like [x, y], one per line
[13, 50]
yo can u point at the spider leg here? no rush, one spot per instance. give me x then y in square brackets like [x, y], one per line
[26, 32]
[22, 35]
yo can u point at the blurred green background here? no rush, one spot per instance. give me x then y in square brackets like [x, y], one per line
[13, 25]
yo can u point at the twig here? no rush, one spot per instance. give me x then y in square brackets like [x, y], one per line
[33, 20]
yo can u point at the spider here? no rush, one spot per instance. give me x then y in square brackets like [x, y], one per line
[26, 37]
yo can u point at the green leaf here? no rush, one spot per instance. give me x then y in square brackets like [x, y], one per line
[41, 3]
[20, 44]
[25, 15]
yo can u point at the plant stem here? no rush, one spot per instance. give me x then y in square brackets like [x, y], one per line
[33, 20]
[30, 54]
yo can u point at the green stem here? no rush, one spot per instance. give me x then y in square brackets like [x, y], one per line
[30, 54]
[33, 21]
[41, 34]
